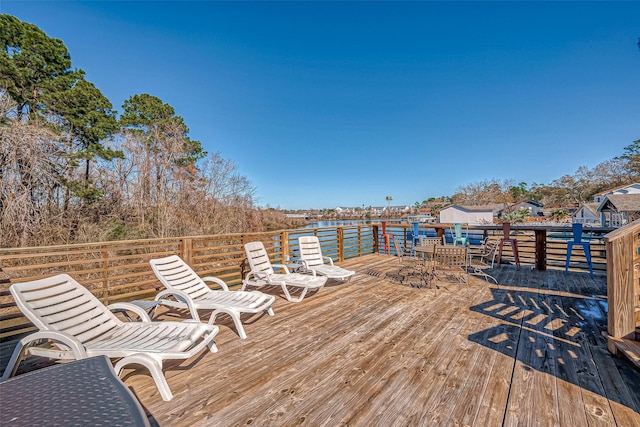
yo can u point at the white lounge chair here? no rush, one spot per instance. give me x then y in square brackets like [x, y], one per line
[313, 261]
[262, 274]
[80, 326]
[191, 292]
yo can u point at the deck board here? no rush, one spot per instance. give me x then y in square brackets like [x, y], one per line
[371, 352]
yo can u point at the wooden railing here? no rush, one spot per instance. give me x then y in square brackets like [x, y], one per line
[623, 289]
[536, 244]
[119, 271]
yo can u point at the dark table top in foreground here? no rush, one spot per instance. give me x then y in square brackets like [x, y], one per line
[83, 393]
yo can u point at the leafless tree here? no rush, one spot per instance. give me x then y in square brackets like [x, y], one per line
[30, 182]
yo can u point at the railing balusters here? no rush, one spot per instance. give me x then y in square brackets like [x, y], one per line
[119, 270]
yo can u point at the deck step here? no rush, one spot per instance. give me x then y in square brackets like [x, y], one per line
[631, 349]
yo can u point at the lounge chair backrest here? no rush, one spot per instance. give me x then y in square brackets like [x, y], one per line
[258, 258]
[310, 250]
[174, 273]
[60, 303]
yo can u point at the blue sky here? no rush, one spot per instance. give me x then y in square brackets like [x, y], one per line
[325, 104]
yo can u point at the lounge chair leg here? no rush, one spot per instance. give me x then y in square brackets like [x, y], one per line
[290, 298]
[75, 350]
[236, 320]
[155, 369]
[270, 312]
[14, 362]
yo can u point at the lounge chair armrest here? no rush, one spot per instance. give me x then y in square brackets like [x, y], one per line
[284, 267]
[67, 339]
[255, 275]
[220, 282]
[328, 259]
[183, 299]
[125, 306]
[27, 346]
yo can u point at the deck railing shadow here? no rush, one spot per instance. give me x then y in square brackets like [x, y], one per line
[559, 334]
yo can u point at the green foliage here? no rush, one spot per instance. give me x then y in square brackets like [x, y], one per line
[85, 112]
[632, 155]
[84, 190]
[35, 71]
[519, 192]
[559, 214]
[517, 216]
[30, 62]
[151, 120]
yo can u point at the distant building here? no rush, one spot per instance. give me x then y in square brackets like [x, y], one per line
[372, 210]
[534, 208]
[474, 215]
[587, 214]
[421, 218]
[617, 210]
[297, 215]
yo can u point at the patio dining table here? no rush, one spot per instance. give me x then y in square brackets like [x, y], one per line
[84, 392]
[427, 261]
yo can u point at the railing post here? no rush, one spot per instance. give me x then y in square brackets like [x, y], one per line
[376, 240]
[541, 249]
[340, 244]
[620, 289]
[359, 240]
[284, 247]
[187, 250]
[105, 276]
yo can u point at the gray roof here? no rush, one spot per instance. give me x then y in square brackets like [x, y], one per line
[476, 208]
[593, 207]
[620, 203]
[621, 187]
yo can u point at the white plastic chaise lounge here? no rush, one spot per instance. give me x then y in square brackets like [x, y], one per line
[80, 326]
[313, 261]
[191, 292]
[262, 274]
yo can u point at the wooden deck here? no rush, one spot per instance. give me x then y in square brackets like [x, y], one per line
[372, 352]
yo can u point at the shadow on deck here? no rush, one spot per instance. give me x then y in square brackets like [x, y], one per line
[371, 352]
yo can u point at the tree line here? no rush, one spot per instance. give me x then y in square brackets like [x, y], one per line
[73, 169]
[568, 191]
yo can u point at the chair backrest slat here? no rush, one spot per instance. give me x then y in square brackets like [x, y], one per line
[60, 303]
[258, 258]
[451, 256]
[310, 250]
[174, 273]
[431, 243]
